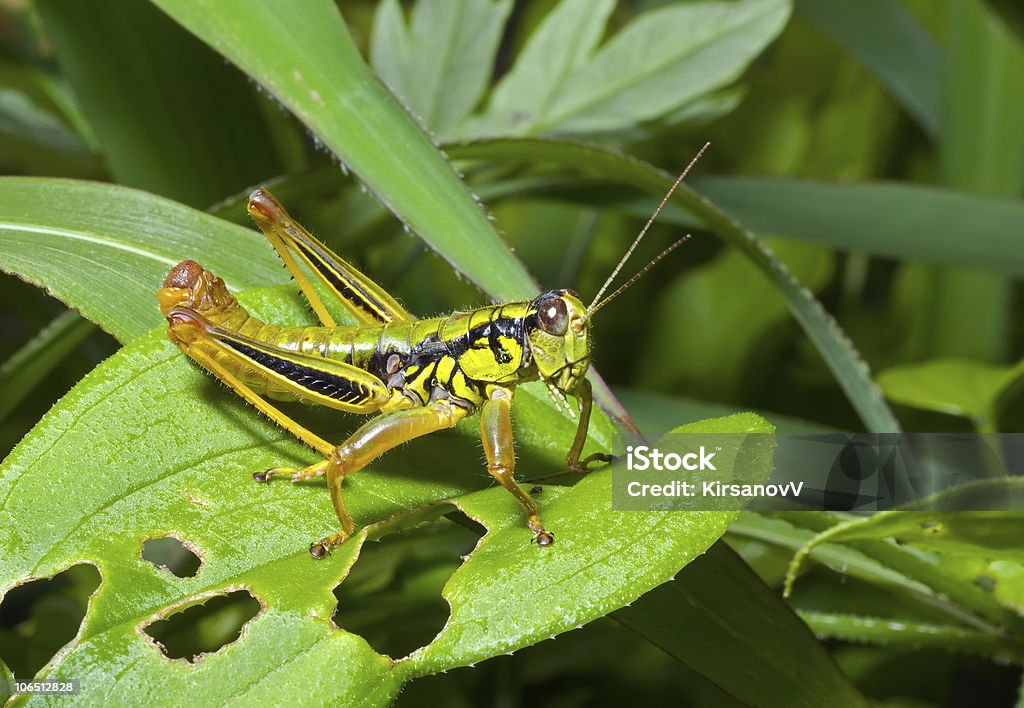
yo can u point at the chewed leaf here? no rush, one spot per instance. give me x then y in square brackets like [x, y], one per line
[149, 446]
[508, 596]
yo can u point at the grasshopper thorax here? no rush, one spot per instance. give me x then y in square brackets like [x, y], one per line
[557, 333]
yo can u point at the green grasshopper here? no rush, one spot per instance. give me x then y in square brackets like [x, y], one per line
[418, 376]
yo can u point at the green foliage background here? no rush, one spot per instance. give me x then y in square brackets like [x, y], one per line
[860, 206]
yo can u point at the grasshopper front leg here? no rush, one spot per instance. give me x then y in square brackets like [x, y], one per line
[584, 394]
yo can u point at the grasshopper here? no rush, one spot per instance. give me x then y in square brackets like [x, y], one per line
[418, 375]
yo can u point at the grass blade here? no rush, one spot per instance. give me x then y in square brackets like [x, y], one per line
[835, 347]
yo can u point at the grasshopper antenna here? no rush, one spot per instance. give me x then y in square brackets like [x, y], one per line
[597, 303]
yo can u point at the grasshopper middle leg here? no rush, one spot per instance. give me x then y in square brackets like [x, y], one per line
[496, 433]
[369, 442]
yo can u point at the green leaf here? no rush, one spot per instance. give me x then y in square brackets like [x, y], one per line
[303, 55]
[439, 87]
[6, 682]
[782, 531]
[659, 62]
[20, 116]
[901, 221]
[180, 123]
[956, 387]
[914, 635]
[563, 42]
[989, 534]
[160, 448]
[105, 250]
[982, 150]
[905, 570]
[719, 610]
[890, 43]
[835, 347]
[30, 364]
[507, 596]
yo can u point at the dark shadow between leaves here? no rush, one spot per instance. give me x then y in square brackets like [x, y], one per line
[392, 596]
[173, 555]
[41, 616]
[202, 629]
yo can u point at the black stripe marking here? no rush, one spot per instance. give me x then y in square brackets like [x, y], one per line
[336, 387]
[348, 290]
[511, 327]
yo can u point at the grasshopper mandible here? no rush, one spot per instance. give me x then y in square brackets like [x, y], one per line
[418, 376]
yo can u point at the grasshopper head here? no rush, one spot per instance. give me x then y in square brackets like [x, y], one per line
[557, 329]
[189, 285]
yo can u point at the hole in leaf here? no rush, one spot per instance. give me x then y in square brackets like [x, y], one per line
[392, 596]
[206, 628]
[169, 553]
[41, 616]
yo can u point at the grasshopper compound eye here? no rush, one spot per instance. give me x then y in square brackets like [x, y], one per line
[553, 316]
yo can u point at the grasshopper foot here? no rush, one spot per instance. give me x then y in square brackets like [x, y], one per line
[583, 466]
[540, 536]
[266, 476]
[310, 472]
[324, 546]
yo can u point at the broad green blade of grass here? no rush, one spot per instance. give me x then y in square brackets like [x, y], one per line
[908, 222]
[888, 219]
[835, 347]
[712, 615]
[182, 124]
[890, 43]
[982, 150]
[6, 682]
[439, 87]
[303, 55]
[105, 250]
[21, 118]
[37, 358]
